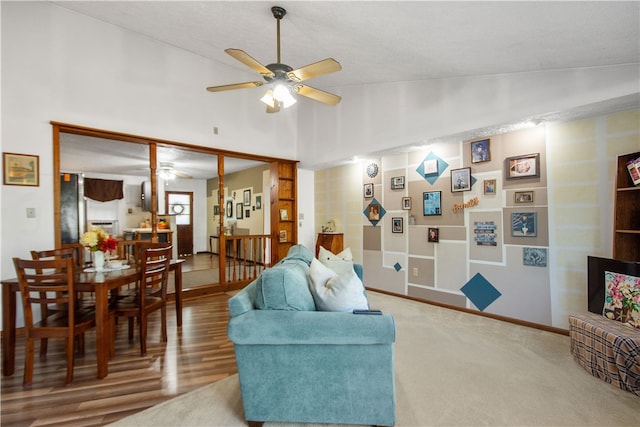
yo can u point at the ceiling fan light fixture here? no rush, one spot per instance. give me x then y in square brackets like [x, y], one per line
[269, 99]
[282, 94]
[166, 174]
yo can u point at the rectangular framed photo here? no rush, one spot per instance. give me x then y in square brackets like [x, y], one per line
[368, 191]
[21, 169]
[489, 187]
[397, 183]
[406, 203]
[433, 235]
[431, 203]
[527, 166]
[481, 151]
[397, 225]
[523, 197]
[524, 224]
[460, 180]
[247, 198]
[282, 235]
[239, 211]
[216, 210]
[430, 167]
[284, 215]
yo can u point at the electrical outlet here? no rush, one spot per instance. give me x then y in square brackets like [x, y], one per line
[31, 212]
[415, 272]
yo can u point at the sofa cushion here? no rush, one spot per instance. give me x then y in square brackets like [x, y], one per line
[340, 263]
[299, 252]
[284, 287]
[336, 292]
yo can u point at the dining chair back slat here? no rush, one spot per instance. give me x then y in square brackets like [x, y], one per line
[50, 282]
[74, 252]
[151, 291]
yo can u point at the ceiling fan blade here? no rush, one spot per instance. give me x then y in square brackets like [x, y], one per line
[317, 94]
[234, 86]
[182, 175]
[316, 69]
[250, 62]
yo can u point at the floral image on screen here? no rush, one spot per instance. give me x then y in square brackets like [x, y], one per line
[622, 298]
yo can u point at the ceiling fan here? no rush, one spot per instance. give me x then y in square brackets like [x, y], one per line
[283, 78]
[167, 171]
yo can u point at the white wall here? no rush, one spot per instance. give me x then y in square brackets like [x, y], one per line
[371, 119]
[306, 212]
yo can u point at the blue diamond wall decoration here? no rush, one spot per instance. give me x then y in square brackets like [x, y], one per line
[397, 266]
[480, 292]
[429, 176]
[374, 212]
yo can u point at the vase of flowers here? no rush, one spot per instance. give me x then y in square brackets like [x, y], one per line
[99, 242]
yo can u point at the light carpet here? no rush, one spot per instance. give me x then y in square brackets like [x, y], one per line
[452, 369]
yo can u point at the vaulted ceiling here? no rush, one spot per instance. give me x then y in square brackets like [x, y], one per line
[379, 42]
[390, 41]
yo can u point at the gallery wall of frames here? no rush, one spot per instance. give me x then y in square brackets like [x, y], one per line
[512, 241]
[462, 224]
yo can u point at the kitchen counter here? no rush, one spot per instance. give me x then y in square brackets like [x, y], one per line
[145, 230]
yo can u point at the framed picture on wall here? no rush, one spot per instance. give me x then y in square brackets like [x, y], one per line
[397, 183]
[527, 166]
[433, 235]
[480, 151]
[247, 198]
[21, 169]
[524, 224]
[523, 197]
[228, 210]
[431, 203]
[239, 211]
[406, 203]
[460, 179]
[489, 187]
[368, 191]
[397, 225]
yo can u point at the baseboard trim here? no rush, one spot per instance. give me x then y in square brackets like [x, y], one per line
[478, 313]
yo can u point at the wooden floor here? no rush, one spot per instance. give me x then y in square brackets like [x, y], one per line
[197, 354]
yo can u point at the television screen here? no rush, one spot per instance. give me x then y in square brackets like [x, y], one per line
[596, 271]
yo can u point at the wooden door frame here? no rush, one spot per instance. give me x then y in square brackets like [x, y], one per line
[153, 143]
[166, 209]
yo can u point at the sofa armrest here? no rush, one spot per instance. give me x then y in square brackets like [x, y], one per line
[278, 327]
[243, 301]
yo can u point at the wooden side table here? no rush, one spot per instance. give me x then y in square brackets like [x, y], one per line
[330, 241]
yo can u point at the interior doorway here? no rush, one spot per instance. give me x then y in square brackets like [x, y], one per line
[180, 204]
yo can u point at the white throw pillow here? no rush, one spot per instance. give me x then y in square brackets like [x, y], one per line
[341, 263]
[336, 292]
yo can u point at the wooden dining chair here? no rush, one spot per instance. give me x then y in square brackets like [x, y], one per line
[50, 282]
[75, 253]
[150, 295]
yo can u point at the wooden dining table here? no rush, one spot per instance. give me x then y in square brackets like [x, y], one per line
[99, 283]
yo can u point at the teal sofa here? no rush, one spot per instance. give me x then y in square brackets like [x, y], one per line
[296, 364]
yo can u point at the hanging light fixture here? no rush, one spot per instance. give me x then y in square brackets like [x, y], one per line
[279, 96]
[283, 82]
